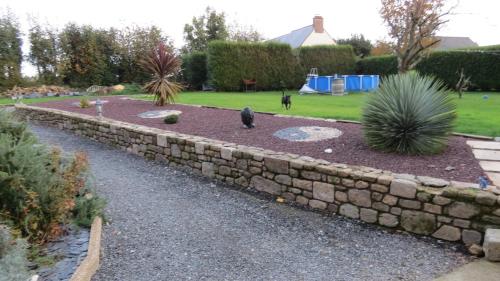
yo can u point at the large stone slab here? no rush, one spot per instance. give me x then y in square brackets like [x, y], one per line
[463, 210]
[492, 145]
[418, 222]
[490, 166]
[403, 188]
[265, 185]
[491, 155]
[491, 245]
[323, 191]
[274, 165]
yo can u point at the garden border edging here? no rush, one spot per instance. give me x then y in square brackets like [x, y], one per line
[90, 264]
[453, 211]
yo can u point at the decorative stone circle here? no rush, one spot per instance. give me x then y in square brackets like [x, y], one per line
[307, 134]
[90, 102]
[159, 113]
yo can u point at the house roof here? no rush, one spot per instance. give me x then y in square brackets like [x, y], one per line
[448, 42]
[296, 37]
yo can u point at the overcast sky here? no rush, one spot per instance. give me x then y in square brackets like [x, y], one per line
[477, 19]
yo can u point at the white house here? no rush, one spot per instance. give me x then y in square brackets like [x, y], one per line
[310, 35]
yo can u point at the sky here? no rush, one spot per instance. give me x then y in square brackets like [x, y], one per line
[477, 19]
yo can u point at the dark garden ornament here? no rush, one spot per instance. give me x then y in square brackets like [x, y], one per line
[247, 117]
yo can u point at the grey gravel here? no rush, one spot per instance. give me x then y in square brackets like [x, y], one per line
[166, 224]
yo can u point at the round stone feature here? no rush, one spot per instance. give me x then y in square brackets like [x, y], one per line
[159, 113]
[308, 133]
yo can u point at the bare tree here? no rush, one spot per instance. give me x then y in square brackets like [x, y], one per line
[412, 26]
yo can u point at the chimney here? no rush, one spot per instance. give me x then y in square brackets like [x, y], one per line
[318, 24]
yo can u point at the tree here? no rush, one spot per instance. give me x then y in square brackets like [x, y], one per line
[43, 52]
[203, 29]
[242, 33]
[11, 55]
[381, 48]
[361, 46]
[412, 26]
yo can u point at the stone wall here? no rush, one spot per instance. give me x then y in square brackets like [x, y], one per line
[451, 211]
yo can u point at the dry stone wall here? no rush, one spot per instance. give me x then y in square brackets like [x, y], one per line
[452, 211]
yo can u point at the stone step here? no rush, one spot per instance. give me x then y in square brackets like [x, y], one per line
[491, 145]
[479, 270]
[491, 245]
[490, 166]
[483, 154]
[494, 177]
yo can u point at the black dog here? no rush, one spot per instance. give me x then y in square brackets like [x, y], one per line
[286, 100]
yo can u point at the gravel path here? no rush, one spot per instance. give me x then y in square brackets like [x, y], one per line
[349, 148]
[165, 224]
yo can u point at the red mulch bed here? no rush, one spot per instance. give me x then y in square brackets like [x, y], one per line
[350, 148]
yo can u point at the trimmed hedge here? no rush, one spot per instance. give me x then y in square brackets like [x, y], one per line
[380, 65]
[269, 63]
[482, 66]
[337, 59]
[194, 69]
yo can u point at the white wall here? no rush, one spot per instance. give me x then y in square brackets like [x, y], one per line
[319, 39]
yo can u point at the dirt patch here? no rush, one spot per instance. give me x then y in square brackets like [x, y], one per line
[349, 148]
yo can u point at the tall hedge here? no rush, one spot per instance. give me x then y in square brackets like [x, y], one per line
[194, 69]
[328, 59]
[482, 66]
[269, 63]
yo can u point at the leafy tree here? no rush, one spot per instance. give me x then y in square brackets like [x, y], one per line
[10, 51]
[244, 33]
[205, 28]
[361, 46]
[412, 26]
[381, 48]
[43, 52]
[133, 43]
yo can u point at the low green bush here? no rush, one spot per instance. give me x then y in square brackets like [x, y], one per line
[171, 119]
[409, 114]
[39, 186]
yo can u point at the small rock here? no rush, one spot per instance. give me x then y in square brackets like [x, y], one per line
[449, 168]
[328, 150]
[476, 250]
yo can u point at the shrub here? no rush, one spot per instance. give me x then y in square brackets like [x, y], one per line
[84, 103]
[379, 65]
[171, 119]
[329, 60]
[39, 186]
[13, 262]
[163, 64]
[482, 66]
[87, 207]
[194, 68]
[409, 114]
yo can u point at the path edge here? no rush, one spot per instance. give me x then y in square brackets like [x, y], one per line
[90, 264]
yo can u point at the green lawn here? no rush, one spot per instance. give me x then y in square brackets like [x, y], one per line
[475, 114]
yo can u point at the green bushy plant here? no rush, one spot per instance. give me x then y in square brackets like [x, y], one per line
[171, 119]
[87, 206]
[13, 262]
[409, 114]
[38, 185]
[84, 103]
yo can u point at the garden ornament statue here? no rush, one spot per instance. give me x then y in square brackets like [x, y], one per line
[98, 106]
[247, 118]
[483, 182]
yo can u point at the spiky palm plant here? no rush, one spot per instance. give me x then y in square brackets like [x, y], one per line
[409, 114]
[163, 65]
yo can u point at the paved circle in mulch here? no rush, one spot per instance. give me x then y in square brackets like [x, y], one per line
[159, 113]
[350, 148]
[308, 133]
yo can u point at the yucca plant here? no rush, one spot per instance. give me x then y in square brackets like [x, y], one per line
[163, 64]
[409, 114]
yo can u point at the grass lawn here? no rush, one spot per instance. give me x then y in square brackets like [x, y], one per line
[475, 114]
